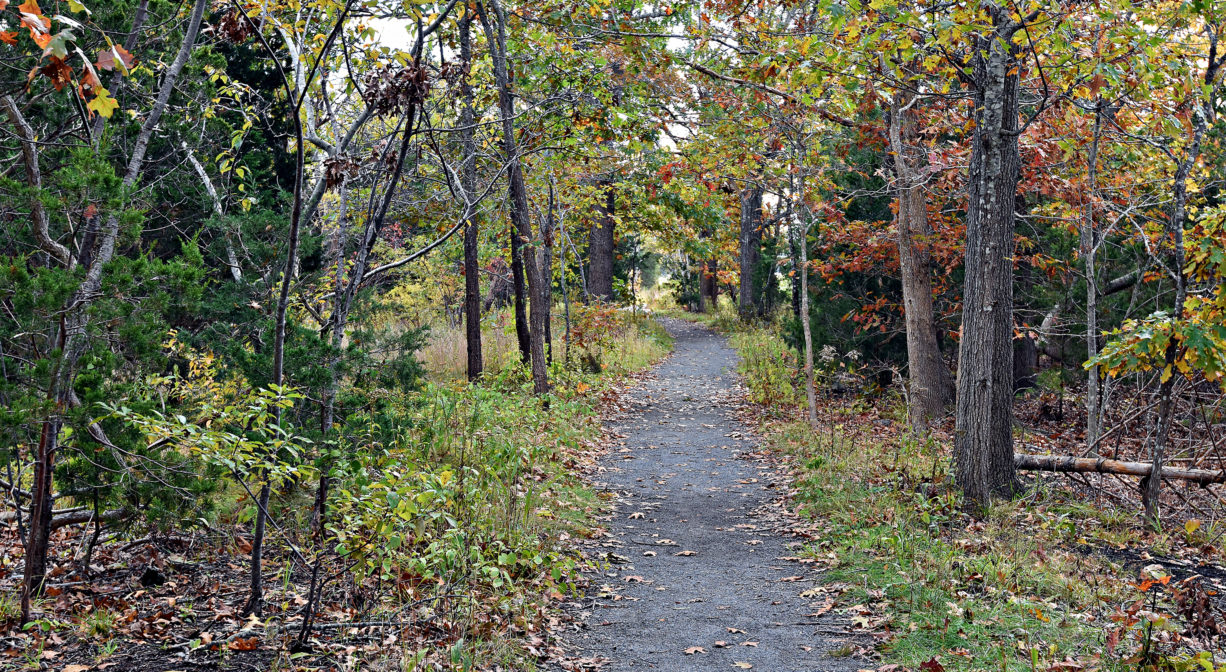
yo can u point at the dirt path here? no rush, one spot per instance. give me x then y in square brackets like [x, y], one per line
[690, 561]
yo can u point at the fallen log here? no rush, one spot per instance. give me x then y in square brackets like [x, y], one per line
[1102, 465]
[65, 517]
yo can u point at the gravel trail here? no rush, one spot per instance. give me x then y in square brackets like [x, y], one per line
[692, 559]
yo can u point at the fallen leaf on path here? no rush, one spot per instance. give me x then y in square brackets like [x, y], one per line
[686, 553]
[720, 644]
[826, 606]
[743, 665]
[735, 630]
[749, 643]
[694, 649]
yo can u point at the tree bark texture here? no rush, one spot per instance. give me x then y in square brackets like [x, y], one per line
[600, 249]
[750, 301]
[929, 386]
[468, 144]
[1089, 256]
[983, 439]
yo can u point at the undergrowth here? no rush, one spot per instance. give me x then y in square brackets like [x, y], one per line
[1024, 589]
[448, 510]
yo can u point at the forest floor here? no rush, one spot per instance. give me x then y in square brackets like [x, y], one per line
[696, 566]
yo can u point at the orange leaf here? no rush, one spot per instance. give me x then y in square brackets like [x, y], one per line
[29, 7]
[8, 37]
[249, 644]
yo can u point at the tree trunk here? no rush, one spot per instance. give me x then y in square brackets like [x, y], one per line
[708, 282]
[255, 597]
[236, 271]
[802, 268]
[547, 236]
[749, 304]
[72, 337]
[496, 36]
[1151, 487]
[519, 286]
[472, 276]
[1089, 256]
[1025, 363]
[983, 440]
[600, 249]
[929, 387]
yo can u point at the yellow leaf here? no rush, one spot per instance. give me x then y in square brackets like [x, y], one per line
[1167, 373]
[103, 103]
[1192, 525]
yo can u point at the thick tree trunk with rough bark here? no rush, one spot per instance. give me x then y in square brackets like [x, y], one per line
[983, 439]
[749, 302]
[929, 386]
[1089, 257]
[600, 248]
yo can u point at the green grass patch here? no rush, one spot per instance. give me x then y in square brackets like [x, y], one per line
[1023, 589]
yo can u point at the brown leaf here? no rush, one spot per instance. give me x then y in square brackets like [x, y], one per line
[932, 665]
[249, 644]
[694, 649]
[115, 54]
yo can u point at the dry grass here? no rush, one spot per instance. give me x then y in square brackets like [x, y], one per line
[637, 342]
[445, 355]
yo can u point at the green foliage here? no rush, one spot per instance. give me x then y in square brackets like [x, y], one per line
[771, 368]
[1194, 336]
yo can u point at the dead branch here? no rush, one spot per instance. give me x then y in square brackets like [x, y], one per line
[1102, 465]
